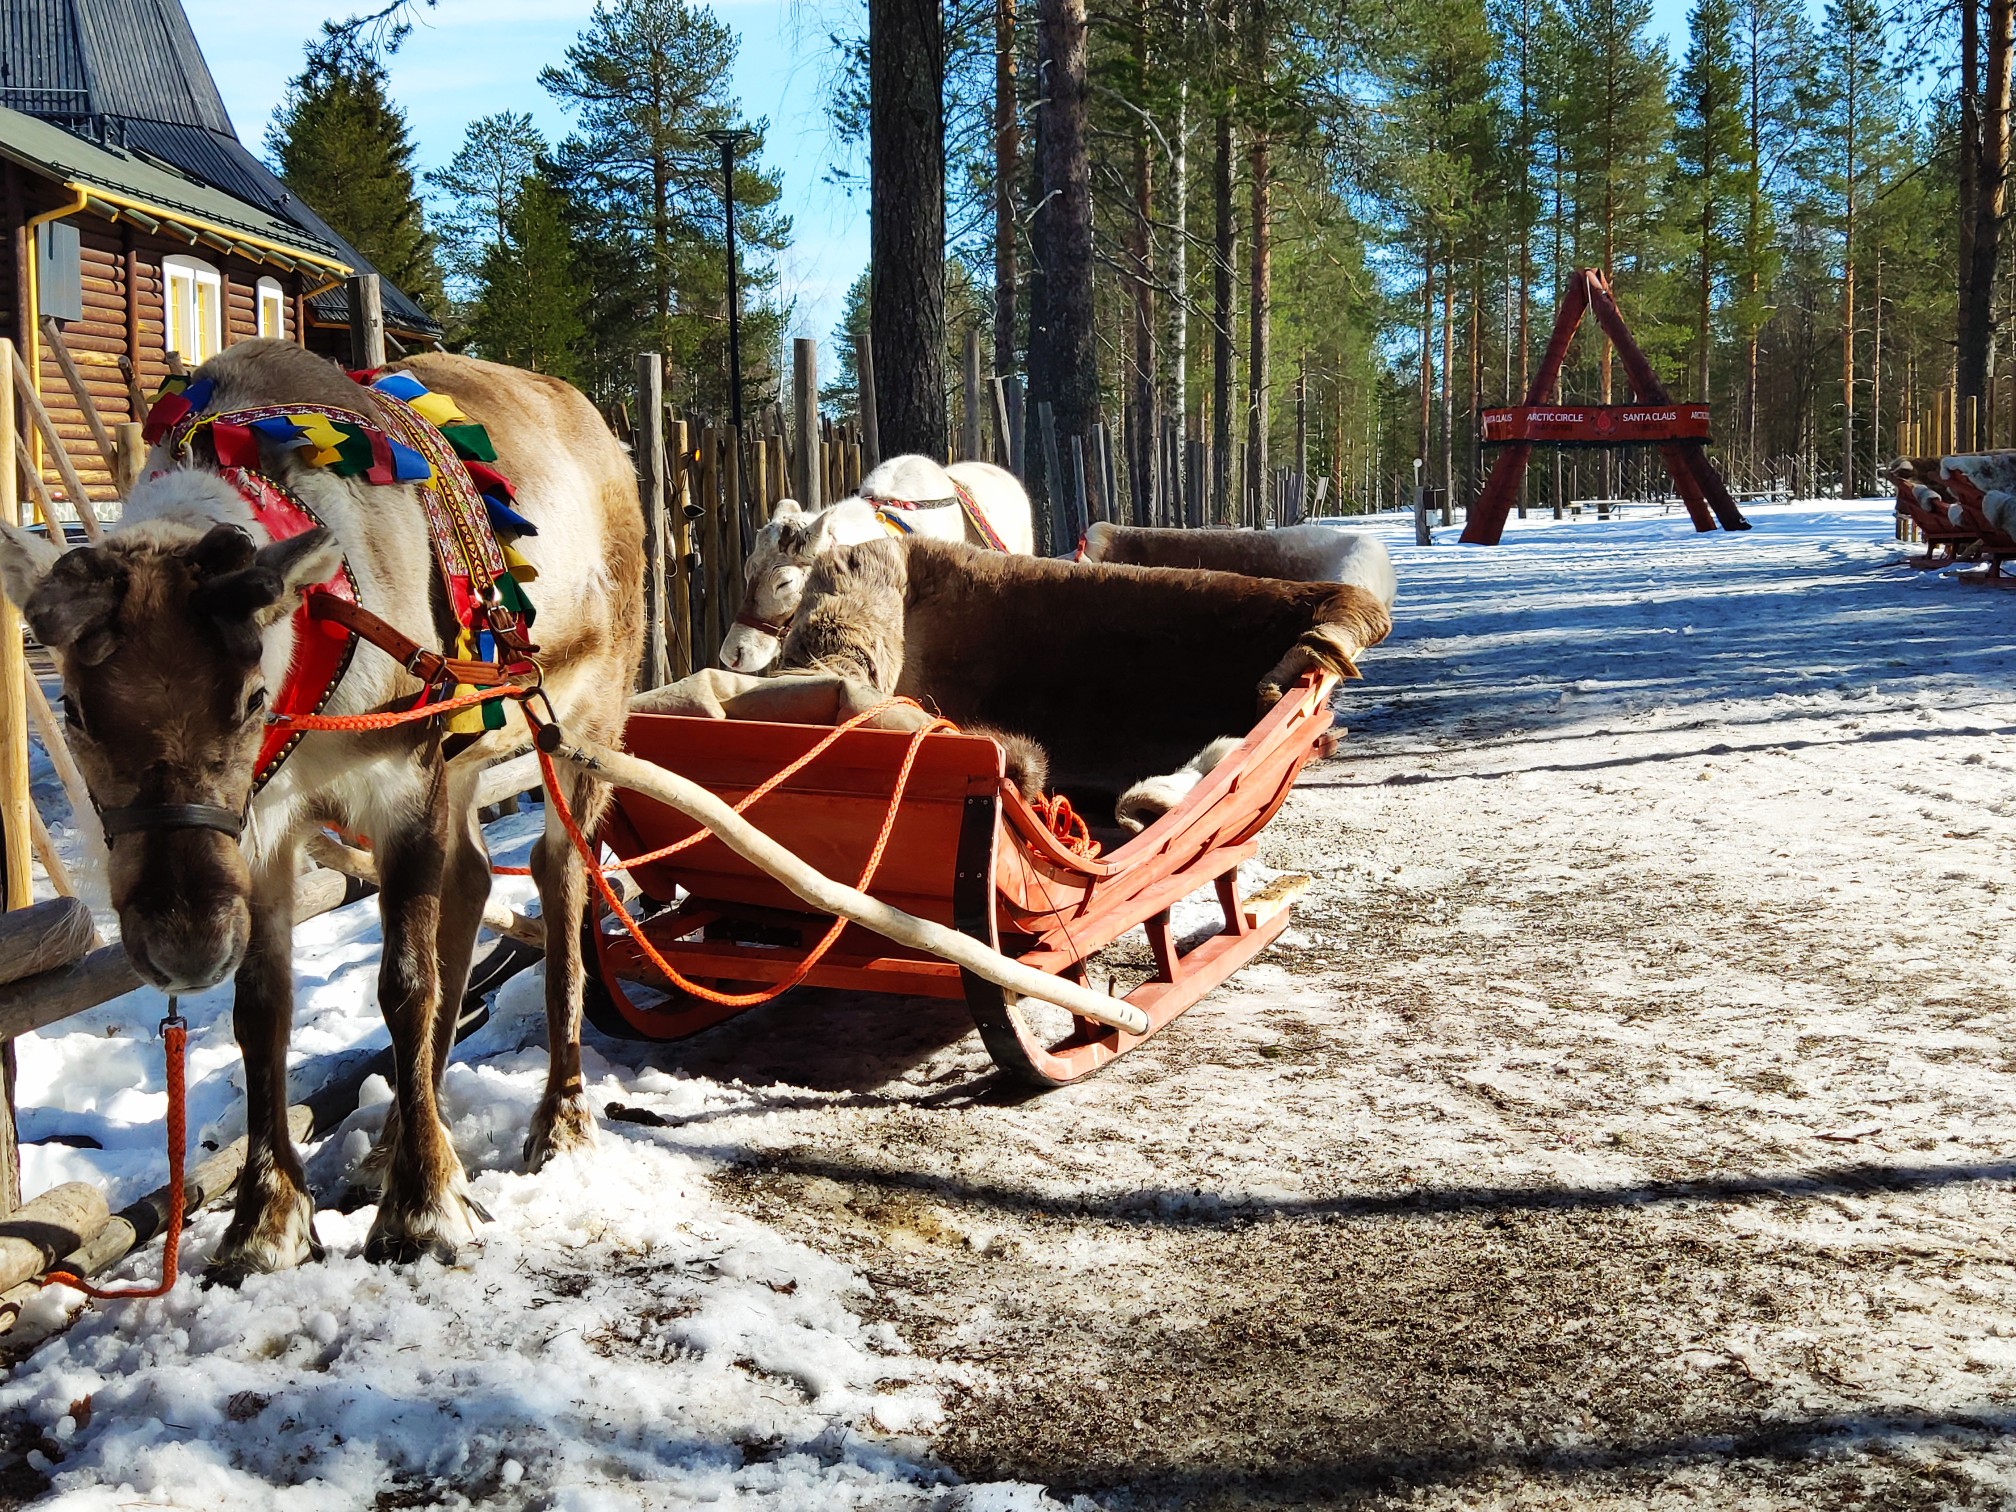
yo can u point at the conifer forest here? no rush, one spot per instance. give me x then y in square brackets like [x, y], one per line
[1319, 234]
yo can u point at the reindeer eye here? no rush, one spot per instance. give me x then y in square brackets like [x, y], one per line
[72, 715]
[255, 701]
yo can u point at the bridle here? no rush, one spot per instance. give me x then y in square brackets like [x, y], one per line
[776, 627]
[139, 818]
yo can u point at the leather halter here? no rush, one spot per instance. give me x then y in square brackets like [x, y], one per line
[136, 818]
[777, 627]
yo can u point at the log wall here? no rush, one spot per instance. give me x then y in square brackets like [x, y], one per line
[123, 317]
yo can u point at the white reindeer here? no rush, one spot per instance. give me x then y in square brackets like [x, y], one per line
[907, 495]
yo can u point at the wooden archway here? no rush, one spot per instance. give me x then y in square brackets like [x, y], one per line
[1680, 432]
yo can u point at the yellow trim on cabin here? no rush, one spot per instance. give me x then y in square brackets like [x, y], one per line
[34, 331]
[231, 235]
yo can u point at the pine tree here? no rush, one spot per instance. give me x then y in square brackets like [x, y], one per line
[1774, 42]
[529, 303]
[339, 142]
[1708, 146]
[482, 183]
[647, 80]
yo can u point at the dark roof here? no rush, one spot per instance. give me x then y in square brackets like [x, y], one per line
[110, 175]
[128, 74]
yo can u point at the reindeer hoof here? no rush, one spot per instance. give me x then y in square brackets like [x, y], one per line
[562, 1124]
[404, 1232]
[277, 1237]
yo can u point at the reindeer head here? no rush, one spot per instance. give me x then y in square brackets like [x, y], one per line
[166, 636]
[785, 550]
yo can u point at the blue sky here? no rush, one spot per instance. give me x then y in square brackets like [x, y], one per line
[467, 58]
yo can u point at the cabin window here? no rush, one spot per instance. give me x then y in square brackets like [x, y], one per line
[195, 309]
[272, 309]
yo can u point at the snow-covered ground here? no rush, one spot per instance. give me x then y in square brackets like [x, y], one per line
[1624, 1121]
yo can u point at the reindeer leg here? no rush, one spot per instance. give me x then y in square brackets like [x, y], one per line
[563, 1120]
[273, 1225]
[425, 1208]
[464, 890]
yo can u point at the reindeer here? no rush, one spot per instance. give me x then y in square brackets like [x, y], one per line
[169, 635]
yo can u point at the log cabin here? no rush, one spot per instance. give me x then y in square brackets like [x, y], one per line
[133, 218]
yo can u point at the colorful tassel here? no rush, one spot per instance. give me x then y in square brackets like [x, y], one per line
[521, 570]
[438, 410]
[505, 519]
[471, 442]
[234, 445]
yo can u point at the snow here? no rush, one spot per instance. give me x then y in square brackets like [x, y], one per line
[1631, 1090]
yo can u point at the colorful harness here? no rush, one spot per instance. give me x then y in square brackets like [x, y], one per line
[426, 442]
[890, 512]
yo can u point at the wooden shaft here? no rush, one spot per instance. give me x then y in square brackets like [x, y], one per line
[52, 336]
[836, 898]
[16, 828]
[50, 857]
[79, 499]
[129, 451]
[680, 547]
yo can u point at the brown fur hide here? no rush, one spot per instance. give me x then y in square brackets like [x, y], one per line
[1117, 672]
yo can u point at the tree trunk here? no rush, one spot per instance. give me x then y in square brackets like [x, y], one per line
[1470, 437]
[906, 206]
[1063, 361]
[1007, 183]
[1969, 196]
[1145, 434]
[1421, 452]
[1179, 248]
[1449, 383]
[1259, 365]
[1848, 297]
[1225, 244]
[1977, 353]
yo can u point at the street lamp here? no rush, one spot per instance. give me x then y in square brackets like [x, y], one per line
[728, 139]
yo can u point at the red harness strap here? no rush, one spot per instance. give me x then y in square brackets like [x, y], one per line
[961, 495]
[322, 650]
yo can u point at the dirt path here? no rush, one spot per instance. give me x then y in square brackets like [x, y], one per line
[1629, 1119]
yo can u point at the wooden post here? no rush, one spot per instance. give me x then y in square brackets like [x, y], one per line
[677, 500]
[1003, 452]
[972, 451]
[805, 461]
[1017, 439]
[864, 380]
[759, 482]
[733, 512]
[710, 625]
[1054, 511]
[367, 322]
[649, 450]
[16, 827]
[1081, 515]
[129, 452]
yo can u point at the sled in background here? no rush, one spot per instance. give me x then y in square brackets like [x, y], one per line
[1930, 502]
[965, 850]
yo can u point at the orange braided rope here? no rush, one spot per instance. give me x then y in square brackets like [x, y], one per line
[389, 718]
[1065, 823]
[812, 958]
[763, 790]
[175, 1042]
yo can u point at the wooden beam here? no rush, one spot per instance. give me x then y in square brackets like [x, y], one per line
[16, 828]
[805, 452]
[44, 936]
[32, 402]
[648, 447]
[39, 1233]
[367, 322]
[52, 335]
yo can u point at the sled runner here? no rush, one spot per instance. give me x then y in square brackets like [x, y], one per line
[964, 849]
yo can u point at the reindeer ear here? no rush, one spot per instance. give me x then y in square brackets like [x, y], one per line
[75, 607]
[224, 549]
[787, 509]
[819, 537]
[25, 559]
[257, 594]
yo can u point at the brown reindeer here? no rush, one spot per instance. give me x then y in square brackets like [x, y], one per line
[169, 636]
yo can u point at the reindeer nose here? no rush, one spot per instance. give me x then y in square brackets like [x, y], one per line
[178, 954]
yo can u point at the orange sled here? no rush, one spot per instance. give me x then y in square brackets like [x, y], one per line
[965, 851]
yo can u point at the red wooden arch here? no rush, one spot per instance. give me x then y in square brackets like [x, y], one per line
[1700, 486]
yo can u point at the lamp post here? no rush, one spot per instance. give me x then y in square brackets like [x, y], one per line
[728, 139]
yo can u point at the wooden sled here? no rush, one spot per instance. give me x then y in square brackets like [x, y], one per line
[1945, 542]
[1992, 546]
[965, 851]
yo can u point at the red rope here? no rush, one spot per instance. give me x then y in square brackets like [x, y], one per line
[175, 1042]
[1065, 823]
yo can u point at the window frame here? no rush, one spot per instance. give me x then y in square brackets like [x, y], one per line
[267, 294]
[183, 282]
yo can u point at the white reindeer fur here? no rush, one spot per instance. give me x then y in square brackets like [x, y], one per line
[1322, 554]
[1152, 797]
